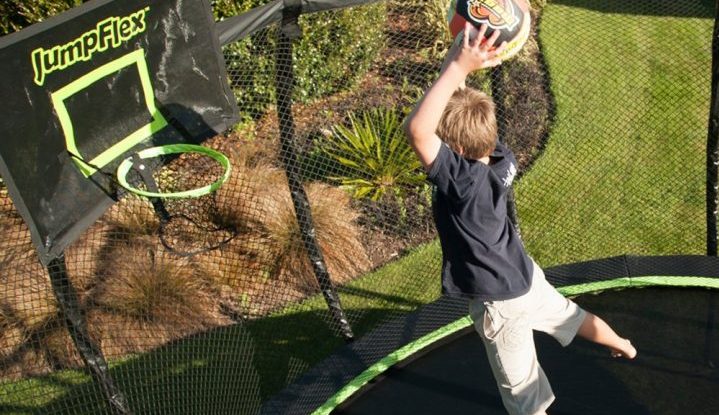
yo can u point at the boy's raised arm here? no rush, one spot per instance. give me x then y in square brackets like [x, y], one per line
[469, 55]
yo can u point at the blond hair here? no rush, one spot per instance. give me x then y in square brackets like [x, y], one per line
[468, 124]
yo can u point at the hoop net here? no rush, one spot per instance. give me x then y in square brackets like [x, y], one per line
[178, 183]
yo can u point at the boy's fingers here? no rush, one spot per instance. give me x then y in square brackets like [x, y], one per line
[467, 28]
[493, 38]
[500, 49]
[482, 31]
[493, 56]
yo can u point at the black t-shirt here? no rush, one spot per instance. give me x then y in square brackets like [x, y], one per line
[482, 255]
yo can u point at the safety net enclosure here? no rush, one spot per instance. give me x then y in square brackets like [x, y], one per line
[302, 267]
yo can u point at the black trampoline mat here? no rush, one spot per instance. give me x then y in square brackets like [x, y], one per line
[669, 376]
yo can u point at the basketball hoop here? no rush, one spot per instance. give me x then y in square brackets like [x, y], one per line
[168, 149]
[180, 195]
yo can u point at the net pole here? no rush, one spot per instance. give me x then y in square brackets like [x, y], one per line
[77, 326]
[712, 165]
[498, 96]
[712, 156]
[285, 84]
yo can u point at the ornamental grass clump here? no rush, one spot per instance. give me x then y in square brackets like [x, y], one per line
[241, 267]
[26, 290]
[11, 334]
[336, 231]
[269, 238]
[34, 340]
[33, 337]
[132, 215]
[148, 297]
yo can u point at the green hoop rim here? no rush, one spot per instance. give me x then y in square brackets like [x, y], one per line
[151, 152]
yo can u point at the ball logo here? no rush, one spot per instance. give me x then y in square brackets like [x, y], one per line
[498, 14]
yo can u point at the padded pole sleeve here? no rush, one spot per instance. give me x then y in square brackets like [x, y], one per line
[77, 326]
[712, 199]
[285, 85]
[712, 159]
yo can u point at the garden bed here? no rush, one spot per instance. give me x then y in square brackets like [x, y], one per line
[396, 80]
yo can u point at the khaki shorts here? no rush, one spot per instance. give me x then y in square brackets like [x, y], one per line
[506, 329]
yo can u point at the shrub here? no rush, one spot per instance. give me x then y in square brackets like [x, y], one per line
[335, 51]
[408, 216]
[420, 25]
[17, 14]
[373, 154]
[227, 8]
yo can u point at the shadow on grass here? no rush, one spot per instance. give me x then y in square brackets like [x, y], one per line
[234, 369]
[227, 370]
[673, 8]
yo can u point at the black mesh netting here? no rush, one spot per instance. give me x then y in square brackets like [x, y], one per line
[324, 229]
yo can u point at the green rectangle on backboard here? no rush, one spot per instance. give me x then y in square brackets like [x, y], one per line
[158, 122]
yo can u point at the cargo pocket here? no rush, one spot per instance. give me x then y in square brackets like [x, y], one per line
[508, 324]
[508, 331]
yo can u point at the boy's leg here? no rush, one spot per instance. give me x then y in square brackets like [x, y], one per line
[597, 330]
[563, 319]
[509, 342]
[553, 313]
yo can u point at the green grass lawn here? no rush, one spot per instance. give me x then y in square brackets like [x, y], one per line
[624, 168]
[574, 203]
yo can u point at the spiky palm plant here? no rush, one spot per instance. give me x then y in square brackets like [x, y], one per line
[374, 155]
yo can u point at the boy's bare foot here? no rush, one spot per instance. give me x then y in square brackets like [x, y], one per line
[627, 350]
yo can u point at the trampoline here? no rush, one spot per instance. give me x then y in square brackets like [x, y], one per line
[308, 282]
[436, 363]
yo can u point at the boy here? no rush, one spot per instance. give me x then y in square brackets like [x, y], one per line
[483, 258]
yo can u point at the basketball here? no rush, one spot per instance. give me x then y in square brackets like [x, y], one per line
[510, 17]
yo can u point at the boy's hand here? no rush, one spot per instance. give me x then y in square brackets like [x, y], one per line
[475, 53]
[464, 57]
